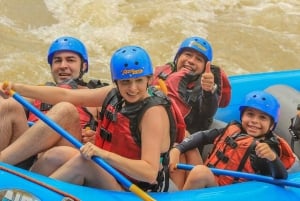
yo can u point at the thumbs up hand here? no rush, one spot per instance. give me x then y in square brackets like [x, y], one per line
[207, 79]
[207, 67]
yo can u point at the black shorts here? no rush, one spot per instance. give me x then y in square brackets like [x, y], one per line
[26, 164]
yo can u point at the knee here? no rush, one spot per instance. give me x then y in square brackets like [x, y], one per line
[51, 156]
[65, 106]
[65, 109]
[10, 105]
[200, 172]
[58, 155]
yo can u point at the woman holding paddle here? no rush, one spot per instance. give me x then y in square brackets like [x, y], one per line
[135, 132]
[249, 146]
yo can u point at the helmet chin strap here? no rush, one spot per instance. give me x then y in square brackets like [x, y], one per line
[79, 79]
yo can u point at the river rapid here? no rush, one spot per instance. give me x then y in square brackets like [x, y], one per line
[246, 35]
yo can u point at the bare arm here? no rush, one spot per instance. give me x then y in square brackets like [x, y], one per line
[53, 95]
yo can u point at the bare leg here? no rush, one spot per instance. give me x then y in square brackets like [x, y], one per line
[81, 171]
[13, 121]
[41, 137]
[190, 157]
[200, 177]
[178, 176]
[52, 159]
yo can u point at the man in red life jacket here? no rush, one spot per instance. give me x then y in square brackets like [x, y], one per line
[68, 59]
[197, 87]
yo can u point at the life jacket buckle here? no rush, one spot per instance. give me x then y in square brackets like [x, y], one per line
[163, 76]
[222, 156]
[105, 134]
[110, 116]
[230, 141]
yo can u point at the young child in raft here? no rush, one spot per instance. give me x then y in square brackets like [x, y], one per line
[250, 146]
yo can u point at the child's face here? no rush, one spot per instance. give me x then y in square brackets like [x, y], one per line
[255, 122]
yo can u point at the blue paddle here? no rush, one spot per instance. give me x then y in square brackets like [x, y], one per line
[244, 175]
[118, 176]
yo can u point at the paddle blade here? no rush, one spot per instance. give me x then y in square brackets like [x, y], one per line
[136, 190]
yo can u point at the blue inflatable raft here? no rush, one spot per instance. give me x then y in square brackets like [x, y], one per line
[20, 185]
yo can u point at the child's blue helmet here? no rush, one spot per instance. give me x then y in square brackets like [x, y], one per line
[264, 102]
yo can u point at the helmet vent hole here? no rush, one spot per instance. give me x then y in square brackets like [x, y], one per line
[126, 65]
[136, 63]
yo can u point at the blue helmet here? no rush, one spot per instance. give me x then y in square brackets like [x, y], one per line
[264, 102]
[130, 62]
[67, 43]
[196, 43]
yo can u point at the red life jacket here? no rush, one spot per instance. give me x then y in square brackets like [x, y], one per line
[114, 136]
[119, 130]
[86, 118]
[232, 150]
[221, 79]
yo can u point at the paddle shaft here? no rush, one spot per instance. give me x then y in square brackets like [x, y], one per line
[118, 176]
[245, 175]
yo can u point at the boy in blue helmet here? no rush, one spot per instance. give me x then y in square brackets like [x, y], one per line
[197, 87]
[249, 146]
[135, 131]
[68, 60]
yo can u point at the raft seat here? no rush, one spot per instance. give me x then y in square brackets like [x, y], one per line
[288, 98]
